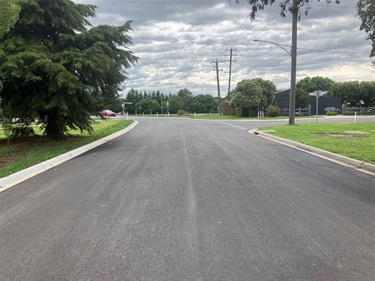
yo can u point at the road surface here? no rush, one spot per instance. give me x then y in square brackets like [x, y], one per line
[190, 200]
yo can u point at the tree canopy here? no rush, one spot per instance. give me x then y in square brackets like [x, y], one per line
[311, 84]
[147, 105]
[285, 5]
[366, 12]
[8, 15]
[59, 71]
[352, 92]
[175, 104]
[250, 95]
[186, 97]
[203, 104]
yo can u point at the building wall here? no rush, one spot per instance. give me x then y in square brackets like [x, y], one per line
[282, 101]
[323, 103]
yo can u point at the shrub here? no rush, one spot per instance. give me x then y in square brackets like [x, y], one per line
[181, 112]
[330, 111]
[227, 109]
[272, 111]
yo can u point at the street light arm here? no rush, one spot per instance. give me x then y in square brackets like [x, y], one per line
[273, 43]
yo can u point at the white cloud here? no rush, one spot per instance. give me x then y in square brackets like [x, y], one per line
[177, 41]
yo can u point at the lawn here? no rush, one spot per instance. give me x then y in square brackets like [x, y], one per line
[354, 140]
[22, 153]
[231, 117]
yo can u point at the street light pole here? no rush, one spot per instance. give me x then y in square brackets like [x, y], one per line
[292, 107]
[273, 43]
[218, 87]
[293, 68]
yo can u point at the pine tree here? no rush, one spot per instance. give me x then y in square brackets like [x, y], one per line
[58, 70]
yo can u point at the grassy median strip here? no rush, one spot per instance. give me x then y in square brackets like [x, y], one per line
[22, 153]
[230, 117]
[354, 140]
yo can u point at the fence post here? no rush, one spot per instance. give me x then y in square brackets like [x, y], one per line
[309, 109]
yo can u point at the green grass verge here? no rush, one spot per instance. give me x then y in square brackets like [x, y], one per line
[234, 117]
[22, 153]
[230, 117]
[354, 140]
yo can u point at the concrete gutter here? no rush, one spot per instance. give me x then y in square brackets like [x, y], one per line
[366, 167]
[32, 171]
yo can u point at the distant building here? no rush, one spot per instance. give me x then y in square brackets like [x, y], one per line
[282, 101]
[324, 101]
[282, 98]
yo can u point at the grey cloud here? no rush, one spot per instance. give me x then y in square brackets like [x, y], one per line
[177, 41]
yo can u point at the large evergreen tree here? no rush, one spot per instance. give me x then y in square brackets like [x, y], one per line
[56, 69]
[366, 12]
[8, 15]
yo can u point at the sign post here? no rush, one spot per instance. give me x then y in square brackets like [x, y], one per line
[317, 94]
[123, 109]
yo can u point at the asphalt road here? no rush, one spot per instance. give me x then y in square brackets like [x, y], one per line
[190, 200]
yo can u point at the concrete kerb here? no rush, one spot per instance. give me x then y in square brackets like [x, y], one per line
[330, 155]
[32, 171]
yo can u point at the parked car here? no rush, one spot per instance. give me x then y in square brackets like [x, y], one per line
[107, 113]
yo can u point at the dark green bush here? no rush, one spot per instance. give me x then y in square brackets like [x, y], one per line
[331, 113]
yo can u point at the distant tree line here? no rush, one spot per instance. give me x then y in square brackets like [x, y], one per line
[253, 95]
[351, 92]
[158, 102]
[248, 98]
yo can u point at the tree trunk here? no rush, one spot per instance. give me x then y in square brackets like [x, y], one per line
[54, 128]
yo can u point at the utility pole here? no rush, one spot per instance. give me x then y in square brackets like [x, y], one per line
[218, 87]
[292, 101]
[161, 104]
[230, 72]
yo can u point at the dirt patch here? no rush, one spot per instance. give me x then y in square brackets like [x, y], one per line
[356, 132]
[340, 136]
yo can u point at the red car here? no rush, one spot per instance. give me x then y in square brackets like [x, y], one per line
[107, 113]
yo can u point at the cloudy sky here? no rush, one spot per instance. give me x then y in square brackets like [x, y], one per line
[178, 42]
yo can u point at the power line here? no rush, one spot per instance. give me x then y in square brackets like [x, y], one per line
[265, 26]
[232, 38]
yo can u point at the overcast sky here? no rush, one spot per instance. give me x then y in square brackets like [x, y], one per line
[178, 41]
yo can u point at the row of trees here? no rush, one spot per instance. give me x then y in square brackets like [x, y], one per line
[183, 100]
[252, 95]
[248, 97]
[351, 92]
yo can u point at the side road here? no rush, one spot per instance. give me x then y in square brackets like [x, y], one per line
[25, 174]
[360, 165]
